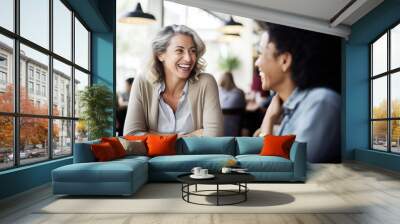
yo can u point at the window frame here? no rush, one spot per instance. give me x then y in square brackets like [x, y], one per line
[16, 115]
[388, 74]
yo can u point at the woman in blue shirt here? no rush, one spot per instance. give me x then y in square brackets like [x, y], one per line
[288, 63]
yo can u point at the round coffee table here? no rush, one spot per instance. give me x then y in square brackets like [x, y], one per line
[238, 179]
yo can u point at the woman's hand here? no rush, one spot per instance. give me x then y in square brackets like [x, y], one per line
[272, 116]
[274, 110]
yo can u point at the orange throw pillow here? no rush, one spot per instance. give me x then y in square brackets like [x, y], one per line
[277, 145]
[103, 152]
[116, 145]
[161, 145]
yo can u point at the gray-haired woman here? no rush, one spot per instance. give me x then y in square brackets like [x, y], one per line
[175, 96]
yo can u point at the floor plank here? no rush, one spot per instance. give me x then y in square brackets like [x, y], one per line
[376, 190]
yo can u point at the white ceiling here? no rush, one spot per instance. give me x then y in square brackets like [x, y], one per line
[316, 15]
[320, 9]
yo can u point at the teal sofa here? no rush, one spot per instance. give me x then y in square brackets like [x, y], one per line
[125, 176]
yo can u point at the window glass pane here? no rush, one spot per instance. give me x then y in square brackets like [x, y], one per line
[81, 81]
[6, 74]
[395, 136]
[35, 21]
[81, 45]
[379, 135]
[62, 89]
[379, 55]
[395, 47]
[395, 95]
[62, 141]
[6, 142]
[81, 131]
[7, 14]
[379, 98]
[33, 139]
[34, 97]
[62, 29]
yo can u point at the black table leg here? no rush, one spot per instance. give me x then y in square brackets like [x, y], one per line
[217, 194]
[245, 193]
[188, 190]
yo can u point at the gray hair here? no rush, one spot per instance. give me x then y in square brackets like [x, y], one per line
[160, 44]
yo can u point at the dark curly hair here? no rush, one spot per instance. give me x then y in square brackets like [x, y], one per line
[311, 64]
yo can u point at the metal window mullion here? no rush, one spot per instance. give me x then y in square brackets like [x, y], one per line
[371, 89]
[89, 51]
[50, 81]
[389, 106]
[46, 51]
[16, 84]
[73, 82]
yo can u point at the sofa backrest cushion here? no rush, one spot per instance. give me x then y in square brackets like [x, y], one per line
[83, 153]
[248, 145]
[206, 145]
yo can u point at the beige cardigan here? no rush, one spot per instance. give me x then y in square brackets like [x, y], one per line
[142, 115]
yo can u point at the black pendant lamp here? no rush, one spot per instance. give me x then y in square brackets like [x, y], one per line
[229, 37]
[137, 17]
[232, 27]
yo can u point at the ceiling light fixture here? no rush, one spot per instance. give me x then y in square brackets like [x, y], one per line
[137, 17]
[232, 27]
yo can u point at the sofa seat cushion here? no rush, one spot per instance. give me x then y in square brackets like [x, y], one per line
[133, 158]
[257, 163]
[113, 171]
[185, 163]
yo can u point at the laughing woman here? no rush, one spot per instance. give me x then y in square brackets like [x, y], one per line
[175, 96]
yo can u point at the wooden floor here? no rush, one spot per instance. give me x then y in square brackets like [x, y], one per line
[378, 189]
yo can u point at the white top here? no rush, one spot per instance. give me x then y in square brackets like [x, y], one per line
[181, 122]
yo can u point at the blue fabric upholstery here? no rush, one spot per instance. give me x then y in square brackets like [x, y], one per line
[206, 145]
[83, 153]
[249, 145]
[164, 176]
[184, 163]
[119, 177]
[298, 155]
[257, 163]
[126, 175]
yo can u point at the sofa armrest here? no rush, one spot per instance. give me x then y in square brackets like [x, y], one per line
[298, 155]
[83, 152]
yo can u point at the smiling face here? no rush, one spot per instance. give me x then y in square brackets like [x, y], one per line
[180, 57]
[273, 69]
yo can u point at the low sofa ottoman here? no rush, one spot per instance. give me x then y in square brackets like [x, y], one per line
[87, 177]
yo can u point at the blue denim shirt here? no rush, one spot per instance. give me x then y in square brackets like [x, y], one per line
[313, 115]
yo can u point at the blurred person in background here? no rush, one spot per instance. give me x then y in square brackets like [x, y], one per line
[232, 103]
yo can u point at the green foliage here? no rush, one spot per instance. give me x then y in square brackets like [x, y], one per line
[229, 63]
[96, 102]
